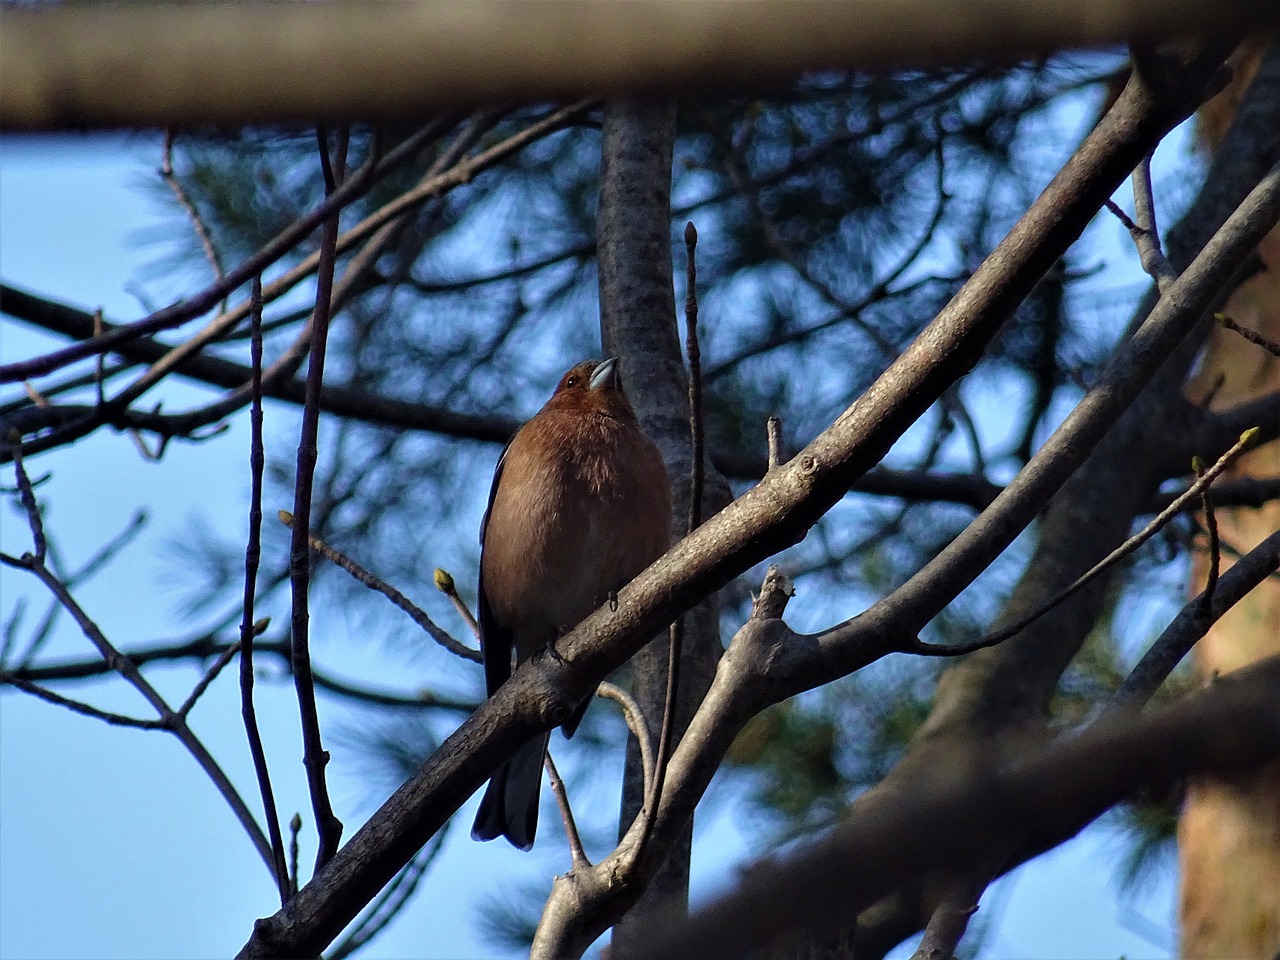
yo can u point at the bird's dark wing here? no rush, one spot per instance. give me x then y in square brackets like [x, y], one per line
[496, 640]
[493, 490]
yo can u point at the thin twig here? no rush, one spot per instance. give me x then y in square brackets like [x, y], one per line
[956, 410]
[184, 201]
[326, 161]
[284, 243]
[44, 630]
[70, 383]
[248, 625]
[11, 628]
[416, 613]
[445, 584]
[1193, 492]
[27, 497]
[99, 362]
[461, 172]
[70, 428]
[1252, 336]
[286, 364]
[694, 350]
[848, 310]
[675, 633]
[1211, 527]
[209, 676]
[1193, 622]
[315, 757]
[1143, 232]
[79, 706]
[204, 647]
[576, 853]
[390, 902]
[174, 723]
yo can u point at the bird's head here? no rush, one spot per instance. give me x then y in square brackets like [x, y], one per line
[593, 385]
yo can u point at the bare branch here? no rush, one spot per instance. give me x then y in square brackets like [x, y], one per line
[355, 187]
[211, 674]
[1252, 336]
[79, 706]
[73, 422]
[1194, 621]
[249, 625]
[390, 902]
[204, 647]
[577, 855]
[315, 757]
[189, 207]
[949, 921]
[1144, 232]
[416, 613]
[1197, 491]
[27, 497]
[445, 584]
[173, 722]
[773, 432]
[637, 724]
[349, 402]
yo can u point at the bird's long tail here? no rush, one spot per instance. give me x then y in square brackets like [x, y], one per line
[509, 807]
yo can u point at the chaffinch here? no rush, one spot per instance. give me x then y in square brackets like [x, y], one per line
[580, 504]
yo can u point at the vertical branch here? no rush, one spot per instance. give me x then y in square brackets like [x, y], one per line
[314, 758]
[248, 628]
[676, 633]
[695, 374]
[295, 826]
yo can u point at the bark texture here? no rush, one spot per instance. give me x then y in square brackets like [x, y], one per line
[1229, 831]
[638, 323]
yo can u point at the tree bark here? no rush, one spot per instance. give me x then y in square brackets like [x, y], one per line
[1229, 830]
[638, 324]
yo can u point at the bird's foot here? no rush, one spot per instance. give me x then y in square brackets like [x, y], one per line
[551, 651]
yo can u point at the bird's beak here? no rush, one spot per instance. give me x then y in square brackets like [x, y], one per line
[605, 375]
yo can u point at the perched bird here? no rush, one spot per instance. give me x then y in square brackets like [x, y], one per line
[580, 504]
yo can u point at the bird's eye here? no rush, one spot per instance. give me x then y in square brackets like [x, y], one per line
[571, 382]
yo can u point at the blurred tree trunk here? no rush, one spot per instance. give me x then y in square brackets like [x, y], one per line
[1229, 832]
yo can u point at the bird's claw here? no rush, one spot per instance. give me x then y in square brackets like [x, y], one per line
[551, 651]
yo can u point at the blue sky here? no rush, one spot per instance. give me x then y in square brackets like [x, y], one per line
[112, 842]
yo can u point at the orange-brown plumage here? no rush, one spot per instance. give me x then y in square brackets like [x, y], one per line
[580, 504]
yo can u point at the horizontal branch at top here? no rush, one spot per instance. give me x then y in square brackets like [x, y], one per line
[155, 64]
